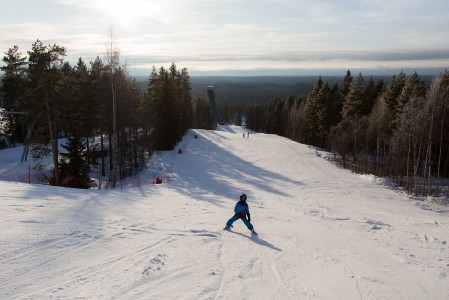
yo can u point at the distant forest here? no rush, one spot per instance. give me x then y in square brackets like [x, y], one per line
[234, 94]
[393, 126]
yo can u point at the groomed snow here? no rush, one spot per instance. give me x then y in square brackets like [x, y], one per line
[324, 233]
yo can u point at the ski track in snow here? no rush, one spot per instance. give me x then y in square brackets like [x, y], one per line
[324, 233]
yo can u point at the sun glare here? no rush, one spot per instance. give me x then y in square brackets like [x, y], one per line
[128, 12]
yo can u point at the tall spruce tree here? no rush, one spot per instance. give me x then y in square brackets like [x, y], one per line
[346, 85]
[74, 165]
[348, 131]
[391, 96]
[354, 101]
[316, 114]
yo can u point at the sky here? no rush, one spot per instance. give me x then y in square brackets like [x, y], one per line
[266, 37]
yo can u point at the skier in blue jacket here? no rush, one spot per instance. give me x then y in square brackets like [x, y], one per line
[241, 211]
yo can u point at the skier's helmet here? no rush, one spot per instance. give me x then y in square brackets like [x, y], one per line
[243, 197]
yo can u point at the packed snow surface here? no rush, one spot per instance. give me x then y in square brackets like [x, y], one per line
[324, 233]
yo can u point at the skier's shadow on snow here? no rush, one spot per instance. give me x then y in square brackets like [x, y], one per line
[256, 239]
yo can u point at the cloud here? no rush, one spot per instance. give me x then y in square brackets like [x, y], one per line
[238, 34]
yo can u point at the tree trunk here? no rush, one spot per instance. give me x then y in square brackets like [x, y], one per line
[441, 149]
[103, 170]
[111, 162]
[53, 139]
[408, 163]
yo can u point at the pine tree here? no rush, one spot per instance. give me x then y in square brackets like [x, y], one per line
[98, 79]
[84, 109]
[45, 81]
[13, 88]
[66, 98]
[13, 81]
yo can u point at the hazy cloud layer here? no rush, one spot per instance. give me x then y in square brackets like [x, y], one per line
[230, 35]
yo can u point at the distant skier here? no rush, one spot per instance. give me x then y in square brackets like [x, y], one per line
[241, 210]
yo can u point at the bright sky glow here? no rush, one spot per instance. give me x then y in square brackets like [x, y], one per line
[228, 36]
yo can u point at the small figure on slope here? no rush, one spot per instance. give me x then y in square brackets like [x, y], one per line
[241, 210]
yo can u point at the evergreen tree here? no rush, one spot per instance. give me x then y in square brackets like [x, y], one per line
[202, 116]
[287, 109]
[43, 92]
[66, 98]
[84, 109]
[297, 116]
[348, 131]
[369, 97]
[14, 77]
[185, 107]
[353, 104]
[100, 93]
[273, 123]
[391, 96]
[316, 114]
[74, 165]
[12, 89]
[255, 115]
[162, 101]
[346, 85]
[335, 105]
[413, 87]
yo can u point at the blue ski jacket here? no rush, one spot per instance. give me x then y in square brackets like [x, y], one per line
[241, 209]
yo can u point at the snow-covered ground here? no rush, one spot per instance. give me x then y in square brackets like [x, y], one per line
[324, 233]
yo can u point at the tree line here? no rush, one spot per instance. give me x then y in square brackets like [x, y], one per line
[397, 129]
[46, 98]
